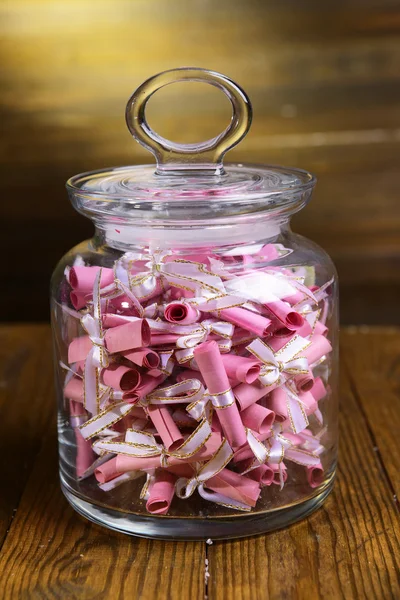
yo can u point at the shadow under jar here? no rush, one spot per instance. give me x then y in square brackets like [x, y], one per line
[195, 341]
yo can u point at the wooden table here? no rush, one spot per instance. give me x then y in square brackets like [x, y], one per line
[348, 549]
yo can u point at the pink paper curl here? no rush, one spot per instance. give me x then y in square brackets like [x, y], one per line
[121, 378]
[107, 471]
[208, 358]
[180, 312]
[246, 319]
[240, 368]
[82, 279]
[161, 493]
[166, 427]
[235, 486]
[143, 357]
[258, 418]
[126, 337]
[285, 314]
[315, 475]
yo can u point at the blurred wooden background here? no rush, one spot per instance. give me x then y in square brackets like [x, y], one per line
[324, 80]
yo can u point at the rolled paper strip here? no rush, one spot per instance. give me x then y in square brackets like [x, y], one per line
[147, 385]
[122, 305]
[96, 463]
[143, 357]
[78, 300]
[240, 338]
[235, 486]
[319, 390]
[166, 427]
[107, 471]
[305, 381]
[74, 389]
[82, 279]
[262, 473]
[320, 329]
[315, 475]
[180, 312]
[208, 358]
[246, 319]
[161, 493]
[79, 348]
[133, 463]
[111, 320]
[317, 349]
[84, 454]
[246, 394]
[285, 314]
[163, 339]
[245, 370]
[258, 418]
[121, 378]
[128, 336]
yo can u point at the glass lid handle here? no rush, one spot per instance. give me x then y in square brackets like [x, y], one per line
[172, 157]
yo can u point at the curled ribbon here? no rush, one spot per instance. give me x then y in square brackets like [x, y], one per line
[97, 358]
[184, 488]
[141, 444]
[161, 274]
[137, 444]
[201, 407]
[189, 390]
[295, 410]
[277, 366]
[222, 329]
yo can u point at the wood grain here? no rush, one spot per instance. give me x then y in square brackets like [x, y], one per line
[325, 86]
[27, 409]
[53, 553]
[377, 391]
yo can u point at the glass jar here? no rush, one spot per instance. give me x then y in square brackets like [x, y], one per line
[195, 341]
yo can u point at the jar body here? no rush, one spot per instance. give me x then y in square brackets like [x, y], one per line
[281, 464]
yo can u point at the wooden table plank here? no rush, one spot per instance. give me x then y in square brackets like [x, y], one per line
[51, 552]
[374, 375]
[27, 408]
[348, 548]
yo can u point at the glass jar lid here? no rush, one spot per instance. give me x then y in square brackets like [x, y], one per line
[190, 180]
